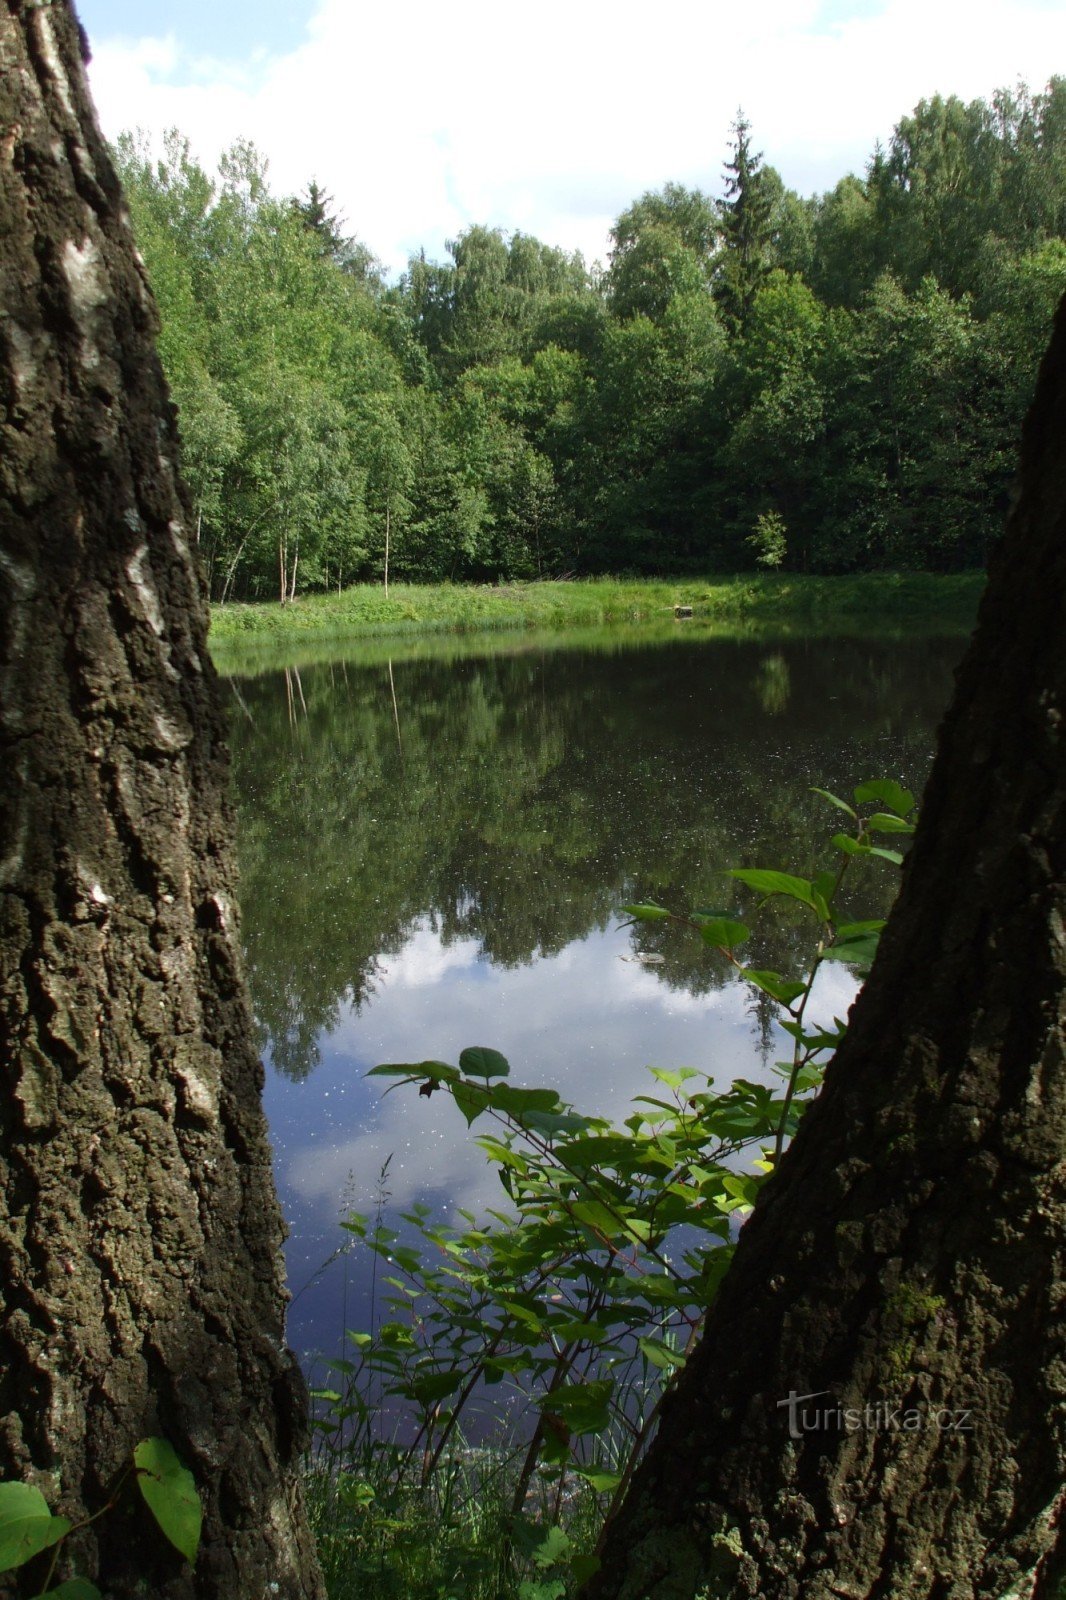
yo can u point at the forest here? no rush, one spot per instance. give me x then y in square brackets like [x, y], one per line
[831, 384]
[907, 1245]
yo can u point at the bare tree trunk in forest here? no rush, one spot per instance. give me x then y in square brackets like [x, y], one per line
[878, 1408]
[387, 519]
[232, 570]
[140, 1237]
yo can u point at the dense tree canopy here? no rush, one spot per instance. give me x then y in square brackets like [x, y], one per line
[854, 365]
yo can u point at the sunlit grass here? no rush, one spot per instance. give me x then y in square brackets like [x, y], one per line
[412, 609]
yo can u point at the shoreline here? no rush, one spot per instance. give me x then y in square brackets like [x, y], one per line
[363, 612]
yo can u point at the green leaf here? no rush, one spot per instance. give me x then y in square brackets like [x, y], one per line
[852, 930]
[823, 885]
[471, 1099]
[722, 933]
[26, 1525]
[660, 1290]
[552, 1548]
[481, 1062]
[585, 1406]
[834, 800]
[660, 1355]
[73, 1589]
[429, 1387]
[883, 822]
[673, 1077]
[647, 913]
[889, 792]
[859, 949]
[784, 990]
[586, 1567]
[501, 1153]
[541, 1589]
[594, 1214]
[603, 1481]
[438, 1071]
[528, 1315]
[859, 847]
[518, 1101]
[776, 883]
[818, 1039]
[553, 1123]
[169, 1491]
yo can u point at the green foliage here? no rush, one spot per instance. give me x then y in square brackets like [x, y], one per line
[381, 1535]
[27, 1527]
[664, 245]
[585, 1292]
[859, 362]
[746, 219]
[769, 541]
[169, 1491]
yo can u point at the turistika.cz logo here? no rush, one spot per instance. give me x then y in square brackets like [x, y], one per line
[876, 1416]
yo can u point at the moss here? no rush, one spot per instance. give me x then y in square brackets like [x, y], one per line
[902, 1144]
[909, 1310]
[720, 1568]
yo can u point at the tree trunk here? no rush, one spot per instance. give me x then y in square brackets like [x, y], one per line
[140, 1236]
[878, 1406]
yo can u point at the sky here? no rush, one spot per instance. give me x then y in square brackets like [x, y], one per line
[424, 119]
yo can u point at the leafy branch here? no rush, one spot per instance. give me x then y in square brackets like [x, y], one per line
[28, 1528]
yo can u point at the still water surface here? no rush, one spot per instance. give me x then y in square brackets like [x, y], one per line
[434, 848]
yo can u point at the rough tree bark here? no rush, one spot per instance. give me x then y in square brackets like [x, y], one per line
[908, 1256]
[139, 1232]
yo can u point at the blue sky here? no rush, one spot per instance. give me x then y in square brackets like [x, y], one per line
[236, 29]
[548, 119]
[228, 29]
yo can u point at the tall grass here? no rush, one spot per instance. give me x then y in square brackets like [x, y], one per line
[383, 1535]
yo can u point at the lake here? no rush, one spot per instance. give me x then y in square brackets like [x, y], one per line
[435, 843]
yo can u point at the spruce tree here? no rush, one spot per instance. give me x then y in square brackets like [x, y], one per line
[746, 226]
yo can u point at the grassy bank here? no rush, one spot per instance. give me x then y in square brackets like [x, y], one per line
[412, 609]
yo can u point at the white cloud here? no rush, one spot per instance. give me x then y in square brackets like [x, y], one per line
[834, 990]
[584, 1022]
[551, 120]
[425, 961]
